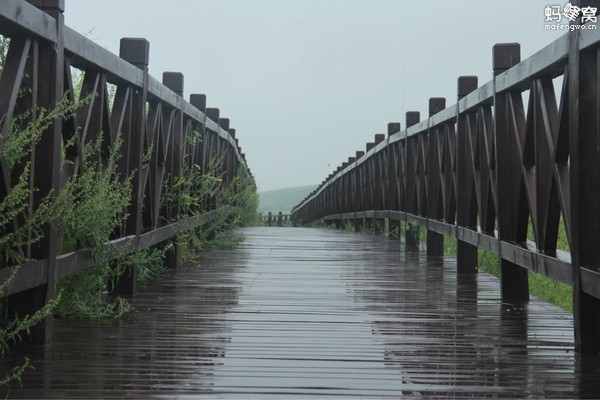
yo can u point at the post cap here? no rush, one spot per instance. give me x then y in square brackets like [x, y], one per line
[466, 85]
[393, 127]
[50, 5]
[412, 118]
[198, 101]
[213, 113]
[174, 81]
[504, 56]
[135, 51]
[436, 104]
[224, 123]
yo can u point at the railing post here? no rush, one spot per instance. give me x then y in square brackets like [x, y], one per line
[46, 172]
[357, 195]
[229, 157]
[380, 195]
[411, 231]
[347, 193]
[174, 81]
[199, 101]
[136, 52]
[223, 147]
[211, 149]
[514, 280]
[412, 118]
[584, 147]
[392, 183]
[435, 241]
[466, 214]
[366, 189]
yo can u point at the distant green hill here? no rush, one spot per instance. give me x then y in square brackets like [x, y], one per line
[283, 199]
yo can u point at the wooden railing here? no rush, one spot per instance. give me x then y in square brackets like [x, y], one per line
[280, 219]
[153, 118]
[489, 167]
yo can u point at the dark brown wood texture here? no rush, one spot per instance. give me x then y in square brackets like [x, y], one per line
[519, 153]
[160, 130]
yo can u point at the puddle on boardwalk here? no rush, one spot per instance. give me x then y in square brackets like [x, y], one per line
[305, 312]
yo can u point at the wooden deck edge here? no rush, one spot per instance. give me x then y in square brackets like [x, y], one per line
[34, 273]
[558, 268]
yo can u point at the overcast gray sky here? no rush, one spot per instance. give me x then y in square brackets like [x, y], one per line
[306, 83]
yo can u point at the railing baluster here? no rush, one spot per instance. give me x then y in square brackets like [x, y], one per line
[435, 240]
[466, 253]
[513, 278]
[482, 171]
[584, 145]
[392, 183]
[47, 83]
[136, 52]
[40, 76]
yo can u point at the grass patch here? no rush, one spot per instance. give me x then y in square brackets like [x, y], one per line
[547, 289]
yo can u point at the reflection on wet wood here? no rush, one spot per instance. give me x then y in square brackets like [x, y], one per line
[303, 312]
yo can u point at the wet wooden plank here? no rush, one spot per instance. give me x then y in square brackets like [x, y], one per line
[300, 313]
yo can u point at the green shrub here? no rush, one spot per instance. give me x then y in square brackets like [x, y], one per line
[236, 199]
[150, 263]
[85, 295]
[95, 206]
[15, 244]
[95, 201]
[554, 292]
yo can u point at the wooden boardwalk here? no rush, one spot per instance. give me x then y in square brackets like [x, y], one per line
[297, 312]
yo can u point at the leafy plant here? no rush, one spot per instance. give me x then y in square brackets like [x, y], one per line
[95, 201]
[150, 263]
[88, 209]
[19, 142]
[236, 200]
[85, 295]
[12, 332]
[95, 205]
[4, 43]
[545, 288]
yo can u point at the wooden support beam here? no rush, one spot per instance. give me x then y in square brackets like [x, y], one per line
[435, 241]
[466, 212]
[135, 51]
[47, 69]
[584, 145]
[514, 280]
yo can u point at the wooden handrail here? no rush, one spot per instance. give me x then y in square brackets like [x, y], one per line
[481, 169]
[153, 118]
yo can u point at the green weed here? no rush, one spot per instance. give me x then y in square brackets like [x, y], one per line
[552, 291]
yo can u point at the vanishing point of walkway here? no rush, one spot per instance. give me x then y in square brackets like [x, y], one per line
[305, 312]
